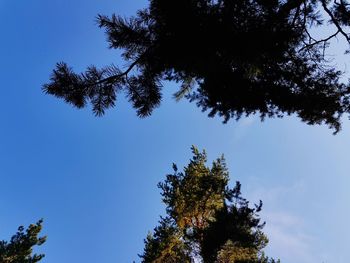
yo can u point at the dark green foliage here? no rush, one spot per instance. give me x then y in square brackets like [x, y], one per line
[20, 248]
[234, 224]
[206, 220]
[232, 58]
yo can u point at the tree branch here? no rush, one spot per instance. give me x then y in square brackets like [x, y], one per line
[125, 73]
[334, 20]
[289, 6]
[307, 46]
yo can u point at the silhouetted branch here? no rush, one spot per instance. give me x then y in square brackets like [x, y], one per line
[325, 40]
[335, 21]
[233, 58]
[116, 77]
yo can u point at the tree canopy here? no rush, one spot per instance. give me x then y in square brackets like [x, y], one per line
[20, 247]
[232, 58]
[206, 221]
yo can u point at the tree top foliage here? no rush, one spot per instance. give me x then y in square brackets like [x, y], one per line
[206, 221]
[232, 58]
[20, 247]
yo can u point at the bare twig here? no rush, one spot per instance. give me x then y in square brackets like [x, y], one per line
[334, 20]
[316, 42]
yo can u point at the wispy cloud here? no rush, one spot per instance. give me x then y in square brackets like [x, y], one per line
[243, 126]
[248, 121]
[289, 238]
[272, 194]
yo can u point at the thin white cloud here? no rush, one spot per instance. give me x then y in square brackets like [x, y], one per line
[242, 127]
[247, 121]
[272, 195]
[289, 239]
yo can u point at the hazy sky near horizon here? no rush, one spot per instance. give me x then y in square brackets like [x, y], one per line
[93, 180]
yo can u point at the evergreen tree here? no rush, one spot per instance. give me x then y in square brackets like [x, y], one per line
[231, 58]
[206, 220]
[20, 247]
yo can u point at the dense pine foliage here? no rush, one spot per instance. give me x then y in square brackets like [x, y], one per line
[206, 220]
[20, 247]
[231, 58]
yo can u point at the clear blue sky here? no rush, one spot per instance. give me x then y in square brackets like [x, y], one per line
[93, 180]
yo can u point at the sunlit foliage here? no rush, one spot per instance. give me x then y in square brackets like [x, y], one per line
[207, 221]
[20, 247]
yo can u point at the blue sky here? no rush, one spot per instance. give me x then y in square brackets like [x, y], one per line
[93, 180]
